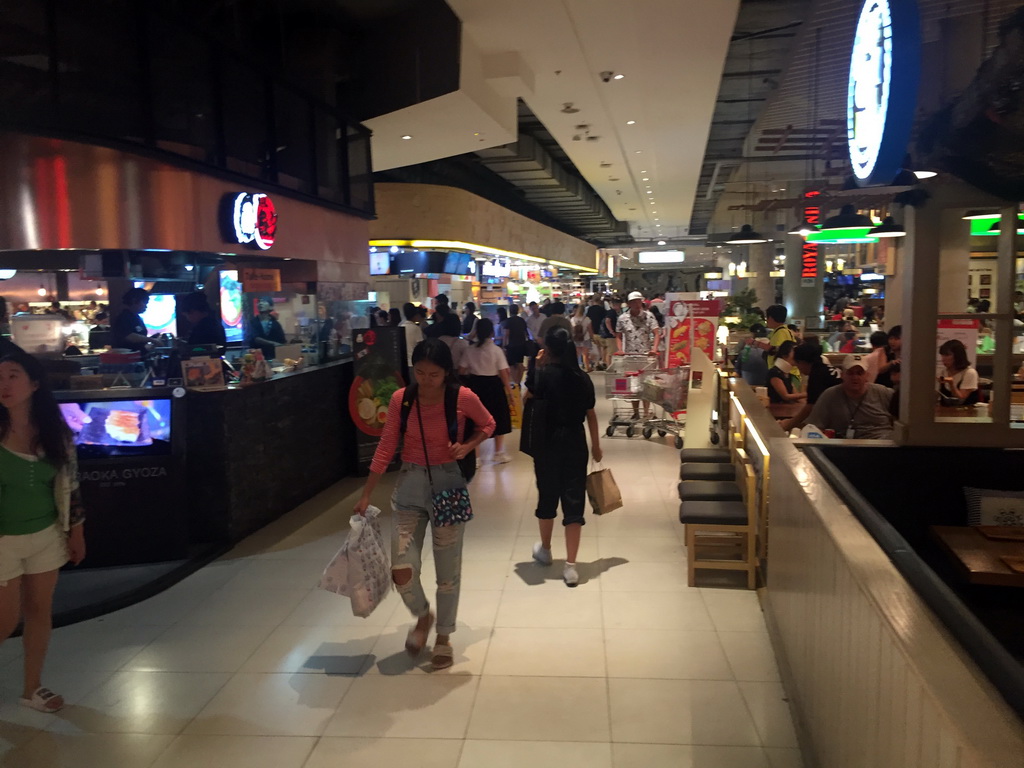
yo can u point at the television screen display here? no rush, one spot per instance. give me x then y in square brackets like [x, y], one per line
[231, 306]
[410, 262]
[160, 315]
[458, 264]
[380, 263]
[120, 427]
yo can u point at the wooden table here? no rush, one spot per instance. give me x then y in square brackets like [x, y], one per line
[977, 556]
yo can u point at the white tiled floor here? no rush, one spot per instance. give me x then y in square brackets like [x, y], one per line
[247, 664]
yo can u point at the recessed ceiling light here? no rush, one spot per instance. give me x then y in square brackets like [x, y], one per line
[649, 192]
[652, 202]
[618, 77]
[657, 219]
[639, 152]
[406, 137]
[662, 242]
[631, 122]
[645, 178]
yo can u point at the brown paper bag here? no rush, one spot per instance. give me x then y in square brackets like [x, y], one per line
[603, 492]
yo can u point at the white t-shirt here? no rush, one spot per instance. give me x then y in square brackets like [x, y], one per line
[487, 360]
[413, 336]
[965, 379]
[458, 347]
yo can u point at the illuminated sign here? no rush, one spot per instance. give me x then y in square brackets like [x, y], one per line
[809, 250]
[496, 268]
[254, 219]
[882, 88]
[661, 257]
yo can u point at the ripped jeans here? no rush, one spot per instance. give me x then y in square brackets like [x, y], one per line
[411, 505]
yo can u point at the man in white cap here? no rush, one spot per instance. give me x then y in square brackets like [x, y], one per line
[635, 328]
[633, 333]
[856, 409]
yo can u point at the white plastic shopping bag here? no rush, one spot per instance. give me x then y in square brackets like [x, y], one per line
[361, 570]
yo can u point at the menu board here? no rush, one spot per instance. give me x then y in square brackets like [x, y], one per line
[378, 365]
[231, 305]
[690, 324]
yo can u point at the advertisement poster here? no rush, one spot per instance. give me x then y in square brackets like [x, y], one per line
[964, 330]
[377, 353]
[690, 324]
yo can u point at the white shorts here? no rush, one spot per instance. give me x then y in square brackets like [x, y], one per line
[45, 550]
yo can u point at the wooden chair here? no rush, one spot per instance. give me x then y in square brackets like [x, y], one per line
[720, 534]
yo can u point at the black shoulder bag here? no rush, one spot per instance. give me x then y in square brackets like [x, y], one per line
[535, 411]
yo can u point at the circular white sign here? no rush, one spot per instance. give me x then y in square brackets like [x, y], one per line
[867, 102]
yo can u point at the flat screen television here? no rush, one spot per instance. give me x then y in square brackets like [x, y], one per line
[161, 314]
[410, 262]
[458, 264]
[231, 316]
[380, 263]
[119, 427]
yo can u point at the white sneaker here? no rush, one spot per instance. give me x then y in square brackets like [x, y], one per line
[570, 575]
[541, 555]
[502, 458]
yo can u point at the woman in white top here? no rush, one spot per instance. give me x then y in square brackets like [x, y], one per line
[484, 368]
[960, 380]
[582, 335]
[450, 330]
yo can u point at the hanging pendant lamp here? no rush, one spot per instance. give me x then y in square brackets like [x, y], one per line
[846, 219]
[746, 236]
[804, 228]
[888, 228]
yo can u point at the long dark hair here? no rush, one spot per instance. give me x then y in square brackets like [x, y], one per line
[956, 348]
[45, 413]
[484, 330]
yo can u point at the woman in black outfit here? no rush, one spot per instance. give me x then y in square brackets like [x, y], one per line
[469, 319]
[561, 471]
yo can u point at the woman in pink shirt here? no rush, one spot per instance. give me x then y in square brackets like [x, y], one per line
[426, 443]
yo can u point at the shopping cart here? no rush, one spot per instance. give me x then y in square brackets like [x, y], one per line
[622, 387]
[666, 390]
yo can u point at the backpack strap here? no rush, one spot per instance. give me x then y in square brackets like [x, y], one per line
[451, 412]
[407, 401]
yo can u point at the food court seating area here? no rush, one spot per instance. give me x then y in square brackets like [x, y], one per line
[899, 494]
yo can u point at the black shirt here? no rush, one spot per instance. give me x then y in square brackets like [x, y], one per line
[613, 316]
[818, 380]
[569, 391]
[783, 376]
[596, 314]
[124, 325]
[208, 331]
[516, 328]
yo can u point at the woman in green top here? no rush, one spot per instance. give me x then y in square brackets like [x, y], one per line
[41, 514]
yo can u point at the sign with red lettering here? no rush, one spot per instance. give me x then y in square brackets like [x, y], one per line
[809, 251]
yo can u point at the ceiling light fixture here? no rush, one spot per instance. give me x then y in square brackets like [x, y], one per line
[746, 236]
[618, 77]
[888, 228]
[662, 242]
[645, 179]
[846, 219]
[639, 152]
[406, 137]
[631, 122]
[804, 228]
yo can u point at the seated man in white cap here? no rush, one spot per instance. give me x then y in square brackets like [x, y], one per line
[637, 333]
[856, 408]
